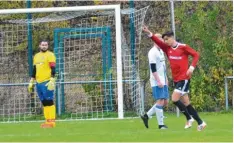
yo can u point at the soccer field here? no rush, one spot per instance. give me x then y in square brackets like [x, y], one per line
[219, 129]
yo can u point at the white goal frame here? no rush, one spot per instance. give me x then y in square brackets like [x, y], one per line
[116, 8]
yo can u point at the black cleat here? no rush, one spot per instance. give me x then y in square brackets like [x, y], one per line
[145, 119]
[162, 127]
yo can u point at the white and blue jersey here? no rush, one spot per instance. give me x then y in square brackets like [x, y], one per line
[156, 56]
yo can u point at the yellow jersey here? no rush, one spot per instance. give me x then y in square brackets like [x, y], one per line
[42, 62]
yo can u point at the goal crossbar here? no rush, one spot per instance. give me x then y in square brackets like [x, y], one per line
[59, 9]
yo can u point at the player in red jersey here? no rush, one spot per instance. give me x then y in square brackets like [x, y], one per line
[178, 54]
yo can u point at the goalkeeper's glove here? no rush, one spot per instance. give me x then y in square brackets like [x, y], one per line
[51, 84]
[31, 85]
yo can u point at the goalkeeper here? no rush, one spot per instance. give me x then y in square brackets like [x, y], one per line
[43, 74]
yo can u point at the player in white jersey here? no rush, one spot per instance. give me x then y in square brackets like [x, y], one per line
[159, 84]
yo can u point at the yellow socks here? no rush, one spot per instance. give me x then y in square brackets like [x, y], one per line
[49, 114]
[52, 112]
[46, 112]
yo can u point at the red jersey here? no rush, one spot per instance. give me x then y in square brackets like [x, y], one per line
[178, 58]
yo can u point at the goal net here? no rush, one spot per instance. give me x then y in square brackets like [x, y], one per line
[97, 65]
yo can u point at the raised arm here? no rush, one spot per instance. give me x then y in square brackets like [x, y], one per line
[156, 40]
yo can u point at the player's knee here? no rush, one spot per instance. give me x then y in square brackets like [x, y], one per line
[175, 96]
[177, 102]
[160, 102]
[50, 102]
[47, 102]
[174, 100]
[165, 102]
[186, 103]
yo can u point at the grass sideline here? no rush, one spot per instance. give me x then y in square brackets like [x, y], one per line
[219, 129]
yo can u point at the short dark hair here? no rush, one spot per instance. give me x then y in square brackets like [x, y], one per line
[43, 40]
[168, 34]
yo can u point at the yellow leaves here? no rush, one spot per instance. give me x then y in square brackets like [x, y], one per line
[98, 2]
[40, 4]
[208, 87]
[198, 99]
[217, 73]
[22, 46]
[12, 4]
[229, 72]
[206, 78]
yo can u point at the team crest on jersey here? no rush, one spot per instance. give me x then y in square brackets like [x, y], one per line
[40, 63]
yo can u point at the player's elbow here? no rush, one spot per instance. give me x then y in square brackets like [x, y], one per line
[52, 64]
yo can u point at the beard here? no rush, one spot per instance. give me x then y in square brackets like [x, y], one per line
[43, 50]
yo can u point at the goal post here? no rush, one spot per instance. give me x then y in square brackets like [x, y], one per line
[97, 67]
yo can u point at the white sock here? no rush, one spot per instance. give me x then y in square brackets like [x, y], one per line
[159, 114]
[151, 111]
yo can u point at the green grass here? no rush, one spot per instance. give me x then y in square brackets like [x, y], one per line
[219, 129]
